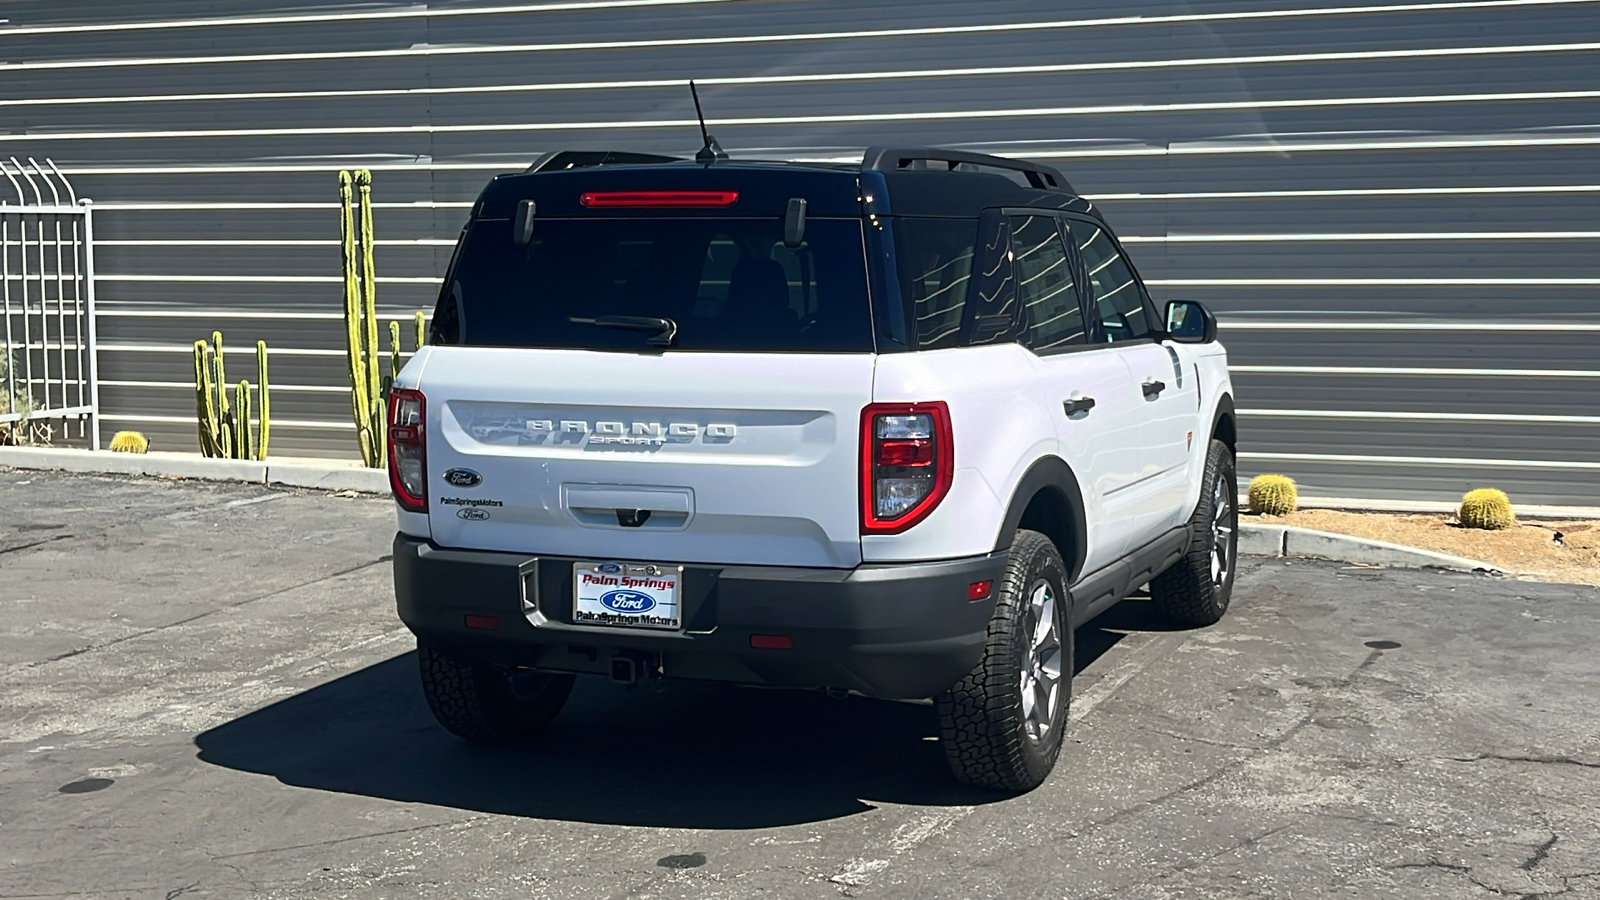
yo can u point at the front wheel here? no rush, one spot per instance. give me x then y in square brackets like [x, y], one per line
[1001, 725]
[1196, 590]
[489, 704]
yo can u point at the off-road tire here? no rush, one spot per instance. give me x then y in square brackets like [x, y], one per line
[1187, 593]
[489, 704]
[983, 726]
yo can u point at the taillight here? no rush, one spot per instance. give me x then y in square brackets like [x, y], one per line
[907, 464]
[408, 449]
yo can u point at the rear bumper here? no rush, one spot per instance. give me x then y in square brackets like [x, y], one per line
[899, 631]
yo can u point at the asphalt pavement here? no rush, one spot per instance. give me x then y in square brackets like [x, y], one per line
[204, 692]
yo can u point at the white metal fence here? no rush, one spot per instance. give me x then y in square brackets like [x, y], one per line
[47, 358]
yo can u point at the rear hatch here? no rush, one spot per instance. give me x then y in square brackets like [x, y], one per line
[653, 375]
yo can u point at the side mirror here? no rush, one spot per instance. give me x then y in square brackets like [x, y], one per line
[1189, 322]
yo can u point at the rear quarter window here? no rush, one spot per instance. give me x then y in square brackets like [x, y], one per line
[934, 258]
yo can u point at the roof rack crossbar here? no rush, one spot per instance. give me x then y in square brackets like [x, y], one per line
[582, 159]
[891, 159]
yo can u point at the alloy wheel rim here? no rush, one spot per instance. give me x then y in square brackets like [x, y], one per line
[1223, 526]
[1040, 683]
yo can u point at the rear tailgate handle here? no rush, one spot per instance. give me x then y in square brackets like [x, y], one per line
[628, 506]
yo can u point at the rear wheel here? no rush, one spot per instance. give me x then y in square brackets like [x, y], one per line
[1001, 725]
[1196, 590]
[489, 704]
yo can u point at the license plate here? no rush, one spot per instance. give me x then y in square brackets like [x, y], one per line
[627, 595]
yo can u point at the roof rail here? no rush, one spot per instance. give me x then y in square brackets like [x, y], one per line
[582, 159]
[892, 159]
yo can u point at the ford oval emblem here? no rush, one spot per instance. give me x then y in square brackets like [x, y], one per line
[472, 514]
[608, 569]
[463, 478]
[627, 601]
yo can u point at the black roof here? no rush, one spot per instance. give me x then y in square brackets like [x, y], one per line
[887, 180]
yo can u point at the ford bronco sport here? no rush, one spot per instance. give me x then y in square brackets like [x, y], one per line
[895, 427]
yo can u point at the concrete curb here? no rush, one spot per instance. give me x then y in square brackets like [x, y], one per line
[1284, 540]
[347, 475]
[318, 474]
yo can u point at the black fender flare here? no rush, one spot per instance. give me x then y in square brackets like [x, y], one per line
[1051, 474]
[1225, 423]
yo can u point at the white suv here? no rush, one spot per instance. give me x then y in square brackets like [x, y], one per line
[895, 427]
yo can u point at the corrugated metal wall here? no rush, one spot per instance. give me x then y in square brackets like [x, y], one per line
[1392, 206]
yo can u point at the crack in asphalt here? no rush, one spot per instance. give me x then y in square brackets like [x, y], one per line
[219, 858]
[41, 543]
[1540, 760]
[1540, 853]
[201, 615]
[1244, 844]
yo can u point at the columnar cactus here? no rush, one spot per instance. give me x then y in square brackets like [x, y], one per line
[1274, 495]
[225, 430]
[369, 386]
[361, 316]
[264, 393]
[1487, 508]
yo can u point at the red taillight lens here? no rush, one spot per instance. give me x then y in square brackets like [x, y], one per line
[657, 199]
[408, 449]
[907, 464]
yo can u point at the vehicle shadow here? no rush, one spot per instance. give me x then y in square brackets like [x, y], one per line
[693, 756]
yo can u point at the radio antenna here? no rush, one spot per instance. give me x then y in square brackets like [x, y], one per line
[710, 151]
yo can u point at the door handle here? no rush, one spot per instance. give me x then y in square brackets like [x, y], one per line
[1153, 388]
[1077, 405]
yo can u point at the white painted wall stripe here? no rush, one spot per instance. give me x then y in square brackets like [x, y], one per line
[1232, 324]
[1126, 239]
[1363, 236]
[812, 119]
[1160, 282]
[1353, 192]
[425, 10]
[1388, 9]
[803, 78]
[189, 420]
[1424, 460]
[107, 310]
[1366, 282]
[260, 279]
[1418, 371]
[278, 242]
[189, 349]
[229, 206]
[276, 387]
[1409, 416]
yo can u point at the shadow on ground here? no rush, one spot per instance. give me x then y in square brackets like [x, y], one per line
[693, 756]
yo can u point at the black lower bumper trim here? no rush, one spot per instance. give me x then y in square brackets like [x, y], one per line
[903, 630]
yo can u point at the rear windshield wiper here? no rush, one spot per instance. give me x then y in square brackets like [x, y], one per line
[666, 329]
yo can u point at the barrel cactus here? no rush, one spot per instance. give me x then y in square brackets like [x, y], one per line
[1487, 508]
[129, 442]
[1273, 495]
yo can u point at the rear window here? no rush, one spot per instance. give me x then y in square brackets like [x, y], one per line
[727, 284]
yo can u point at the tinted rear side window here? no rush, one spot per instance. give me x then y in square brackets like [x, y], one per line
[934, 257]
[1044, 281]
[728, 284]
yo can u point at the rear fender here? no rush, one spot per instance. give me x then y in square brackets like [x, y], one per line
[1052, 477]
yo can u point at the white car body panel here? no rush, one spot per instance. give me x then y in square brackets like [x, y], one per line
[748, 459]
